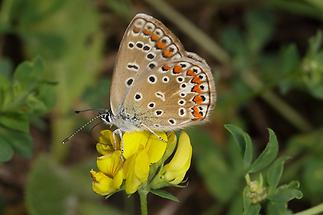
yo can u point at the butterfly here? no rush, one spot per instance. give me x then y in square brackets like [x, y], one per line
[156, 84]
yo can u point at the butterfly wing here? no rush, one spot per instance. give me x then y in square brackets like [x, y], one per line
[140, 48]
[162, 86]
[173, 95]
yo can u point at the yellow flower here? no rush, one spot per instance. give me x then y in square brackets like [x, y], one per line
[110, 175]
[107, 144]
[174, 172]
[141, 149]
[136, 167]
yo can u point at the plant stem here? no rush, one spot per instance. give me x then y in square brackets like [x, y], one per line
[143, 201]
[277, 103]
[314, 210]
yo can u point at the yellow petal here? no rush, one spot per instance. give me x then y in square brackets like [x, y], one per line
[107, 143]
[181, 160]
[131, 181]
[171, 144]
[176, 177]
[136, 170]
[156, 147]
[118, 179]
[101, 183]
[133, 141]
[142, 166]
[110, 164]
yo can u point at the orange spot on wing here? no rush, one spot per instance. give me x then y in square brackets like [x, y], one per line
[190, 73]
[167, 53]
[196, 89]
[177, 69]
[147, 32]
[154, 37]
[160, 44]
[196, 80]
[196, 113]
[198, 99]
[166, 67]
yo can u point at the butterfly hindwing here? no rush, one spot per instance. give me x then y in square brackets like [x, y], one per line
[173, 95]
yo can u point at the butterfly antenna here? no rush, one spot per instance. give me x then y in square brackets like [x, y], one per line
[90, 109]
[81, 128]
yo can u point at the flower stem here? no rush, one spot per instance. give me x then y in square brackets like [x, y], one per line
[143, 201]
[314, 210]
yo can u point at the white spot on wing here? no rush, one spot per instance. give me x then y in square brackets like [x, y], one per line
[160, 95]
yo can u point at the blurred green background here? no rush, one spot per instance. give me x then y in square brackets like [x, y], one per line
[57, 56]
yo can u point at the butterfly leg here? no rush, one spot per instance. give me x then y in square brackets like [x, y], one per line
[118, 133]
[154, 133]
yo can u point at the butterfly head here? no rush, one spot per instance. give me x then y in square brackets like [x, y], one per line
[106, 116]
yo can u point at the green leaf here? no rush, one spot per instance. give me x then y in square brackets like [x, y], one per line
[260, 25]
[5, 67]
[243, 142]
[29, 73]
[274, 208]
[285, 193]
[15, 121]
[47, 191]
[20, 141]
[268, 155]
[209, 159]
[313, 176]
[275, 172]
[164, 194]
[6, 151]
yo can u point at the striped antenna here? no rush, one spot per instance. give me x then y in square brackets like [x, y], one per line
[81, 128]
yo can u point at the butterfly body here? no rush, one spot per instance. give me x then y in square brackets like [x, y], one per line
[156, 84]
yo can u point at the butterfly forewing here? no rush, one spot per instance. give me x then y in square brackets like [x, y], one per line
[145, 42]
[156, 82]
